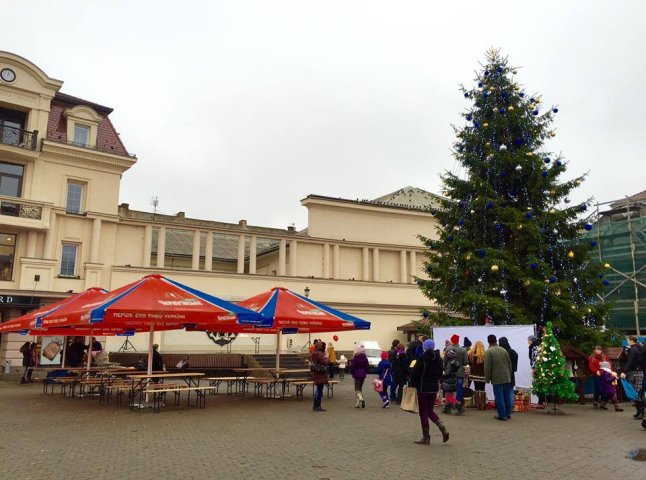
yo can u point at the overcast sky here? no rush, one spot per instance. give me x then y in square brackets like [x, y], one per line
[239, 109]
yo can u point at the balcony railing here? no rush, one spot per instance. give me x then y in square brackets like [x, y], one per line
[18, 137]
[21, 210]
[104, 149]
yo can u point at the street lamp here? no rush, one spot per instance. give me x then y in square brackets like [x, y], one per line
[307, 292]
[309, 335]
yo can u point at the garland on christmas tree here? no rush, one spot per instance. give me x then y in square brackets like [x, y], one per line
[551, 378]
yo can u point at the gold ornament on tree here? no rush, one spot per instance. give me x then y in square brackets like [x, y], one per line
[570, 254]
[494, 268]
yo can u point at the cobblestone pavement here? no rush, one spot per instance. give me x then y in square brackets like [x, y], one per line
[235, 438]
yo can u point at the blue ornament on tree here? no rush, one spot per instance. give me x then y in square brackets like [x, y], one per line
[600, 275]
[534, 265]
[606, 282]
[486, 72]
[476, 124]
[555, 110]
[583, 207]
[547, 160]
[469, 117]
[501, 110]
[425, 314]
[485, 94]
[499, 69]
[588, 226]
[482, 252]
[504, 94]
[559, 163]
[552, 279]
[466, 95]
[450, 238]
[593, 243]
[521, 94]
[535, 112]
[532, 100]
[479, 84]
[433, 212]
[518, 142]
[489, 204]
[429, 269]
[528, 215]
[545, 173]
[460, 222]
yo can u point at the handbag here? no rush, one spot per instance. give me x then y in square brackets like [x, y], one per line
[318, 368]
[409, 400]
[629, 390]
[378, 384]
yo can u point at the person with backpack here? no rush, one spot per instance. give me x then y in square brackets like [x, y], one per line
[25, 350]
[450, 380]
[463, 362]
[400, 372]
[319, 368]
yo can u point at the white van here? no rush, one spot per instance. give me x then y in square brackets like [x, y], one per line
[373, 352]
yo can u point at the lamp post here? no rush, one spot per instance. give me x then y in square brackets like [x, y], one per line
[309, 335]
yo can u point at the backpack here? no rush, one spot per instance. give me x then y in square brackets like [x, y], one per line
[317, 368]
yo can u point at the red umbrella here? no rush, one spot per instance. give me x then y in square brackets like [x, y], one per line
[154, 303]
[32, 319]
[293, 313]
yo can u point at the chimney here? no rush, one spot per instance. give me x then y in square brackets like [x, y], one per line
[291, 229]
[242, 223]
[181, 214]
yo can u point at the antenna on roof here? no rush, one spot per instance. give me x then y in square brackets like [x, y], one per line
[154, 201]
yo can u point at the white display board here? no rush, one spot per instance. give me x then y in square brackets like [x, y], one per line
[516, 334]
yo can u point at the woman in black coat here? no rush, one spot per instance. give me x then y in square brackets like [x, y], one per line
[425, 377]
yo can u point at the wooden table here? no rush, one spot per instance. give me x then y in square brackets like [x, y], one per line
[283, 375]
[141, 381]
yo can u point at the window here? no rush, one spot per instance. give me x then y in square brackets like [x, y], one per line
[81, 134]
[11, 179]
[68, 260]
[7, 252]
[74, 197]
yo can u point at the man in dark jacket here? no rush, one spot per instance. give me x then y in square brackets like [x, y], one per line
[498, 373]
[425, 377]
[513, 356]
[633, 372]
[461, 358]
[158, 362]
[75, 352]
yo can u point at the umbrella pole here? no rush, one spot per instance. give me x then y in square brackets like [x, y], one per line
[64, 352]
[89, 351]
[151, 340]
[278, 335]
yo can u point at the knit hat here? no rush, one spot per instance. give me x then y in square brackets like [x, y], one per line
[467, 343]
[384, 355]
[428, 345]
[455, 339]
[360, 348]
[450, 354]
[532, 338]
[604, 366]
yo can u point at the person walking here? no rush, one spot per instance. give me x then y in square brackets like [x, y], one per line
[319, 374]
[513, 357]
[608, 386]
[359, 367]
[498, 373]
[25, 350]
[384, 373]
[594, 361]
[392, 356]
[632, 371]
[462, 360]
[425, 377]
[343, 362]
[449, 380]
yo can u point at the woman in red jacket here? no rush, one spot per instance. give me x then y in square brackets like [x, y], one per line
[593, 365]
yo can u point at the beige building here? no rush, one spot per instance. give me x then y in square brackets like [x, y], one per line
[62, 230]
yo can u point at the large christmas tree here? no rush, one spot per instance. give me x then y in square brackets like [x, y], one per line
[509, 249]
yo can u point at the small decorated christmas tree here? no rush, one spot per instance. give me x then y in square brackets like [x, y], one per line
[551, 378]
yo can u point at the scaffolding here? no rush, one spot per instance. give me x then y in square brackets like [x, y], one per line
[620, 233]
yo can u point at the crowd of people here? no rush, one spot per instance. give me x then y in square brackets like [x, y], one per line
[452, 370]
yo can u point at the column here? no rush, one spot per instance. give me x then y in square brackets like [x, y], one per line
[413, 266]
[48, 249]
[148, 245]
[195, 264]
[282, 248]
[252, 255]
[365, 264]
[95, 243]
[326, 260]
[402, 267]
[375, 264]
[293, 267]
[336, 255]
[208, 252]
[161, 246]
[241, 254]
[32, 237]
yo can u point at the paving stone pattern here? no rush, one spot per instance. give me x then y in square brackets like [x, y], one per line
[252, 438]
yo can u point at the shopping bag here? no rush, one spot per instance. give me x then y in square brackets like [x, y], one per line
[409, 400]
[378, 385]
[629, 390]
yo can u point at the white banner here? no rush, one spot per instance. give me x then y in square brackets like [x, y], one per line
[516, 334]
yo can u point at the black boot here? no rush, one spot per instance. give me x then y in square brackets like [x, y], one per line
[447, 409]
[426, 438]
[445, 433]
[460, 408]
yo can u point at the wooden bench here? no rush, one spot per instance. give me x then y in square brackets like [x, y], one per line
[240, 384]
[159, 394]
[301, 384]
[208, 362]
